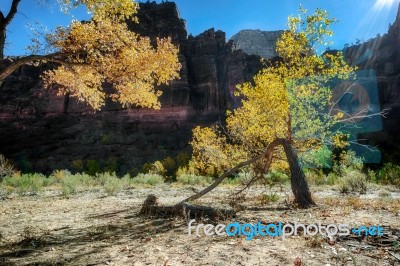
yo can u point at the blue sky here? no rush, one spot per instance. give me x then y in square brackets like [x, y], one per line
[358, 19]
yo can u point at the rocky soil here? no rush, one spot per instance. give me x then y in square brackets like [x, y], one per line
[91, 228]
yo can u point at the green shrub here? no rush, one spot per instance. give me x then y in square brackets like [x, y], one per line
[111, 165]
[191, 179]
[126, 181]
[111, 183]
[102, 178]
[242, 177]
[317, 158]
[93, 167]
[71, 184]
[148, 179]
[269, 198]
[348, 160]
[25, 165]
[276, 177]
[318, 178]
[372, 176]
[314, 177]
[353, 181]
[389, 174]
[331, 179]
[169, 166]
[25, 183]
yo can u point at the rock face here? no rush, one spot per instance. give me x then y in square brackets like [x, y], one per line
[257, 42]
[382, 54]
[41, 131]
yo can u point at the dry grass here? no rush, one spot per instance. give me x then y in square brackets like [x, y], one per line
[89, 228]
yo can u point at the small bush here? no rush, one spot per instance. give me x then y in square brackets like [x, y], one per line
[353, 181]
[113, 186]
[6, 168]
[169, 165]
[126, 181]
[318, 178]
[189, 169]
[389, 174]
[241, 178]
[269, 198]
[372, 176]
[25, 183]
[111, 183]
[70, 184]
[156, 168]
[77, 165]
[332, 179]
[93, 167]
[111, 165]
[59, 175]
[349, 160]
[276, 178]
[148, 179]
[314, 177]
[191, 179]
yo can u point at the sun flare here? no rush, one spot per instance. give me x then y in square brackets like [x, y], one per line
[379, 4]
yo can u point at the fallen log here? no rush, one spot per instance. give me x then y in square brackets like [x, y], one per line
[151, 207]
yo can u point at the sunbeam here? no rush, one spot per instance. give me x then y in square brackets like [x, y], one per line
[380, 4]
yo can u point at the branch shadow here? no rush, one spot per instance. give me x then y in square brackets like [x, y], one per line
[121, 227]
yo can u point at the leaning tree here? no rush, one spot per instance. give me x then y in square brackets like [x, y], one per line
[287, 110]
[89, 54]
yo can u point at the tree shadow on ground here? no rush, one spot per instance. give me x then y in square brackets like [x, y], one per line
[66, 245]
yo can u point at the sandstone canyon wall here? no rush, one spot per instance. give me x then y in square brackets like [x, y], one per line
[41, 131]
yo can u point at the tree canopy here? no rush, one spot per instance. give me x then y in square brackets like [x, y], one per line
[104, 53]
[286, 109]
[288, 99]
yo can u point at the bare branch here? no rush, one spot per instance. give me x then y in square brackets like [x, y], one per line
[55, 57]
[267, 153]
[11, 14]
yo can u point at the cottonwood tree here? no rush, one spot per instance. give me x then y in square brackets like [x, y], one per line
[286, 109]
[101, 51]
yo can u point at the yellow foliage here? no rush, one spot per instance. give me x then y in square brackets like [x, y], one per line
[103, 51]
[289, 95]
[120, 10]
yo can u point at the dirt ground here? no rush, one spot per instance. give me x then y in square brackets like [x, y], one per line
[91, 228]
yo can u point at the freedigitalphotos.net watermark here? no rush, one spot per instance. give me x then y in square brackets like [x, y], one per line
[249, 231]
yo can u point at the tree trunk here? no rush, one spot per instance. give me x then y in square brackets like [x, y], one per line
[299, 184]
[2, 41]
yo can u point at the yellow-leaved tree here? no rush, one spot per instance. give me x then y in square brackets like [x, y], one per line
[291, 94]
[102, 51]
